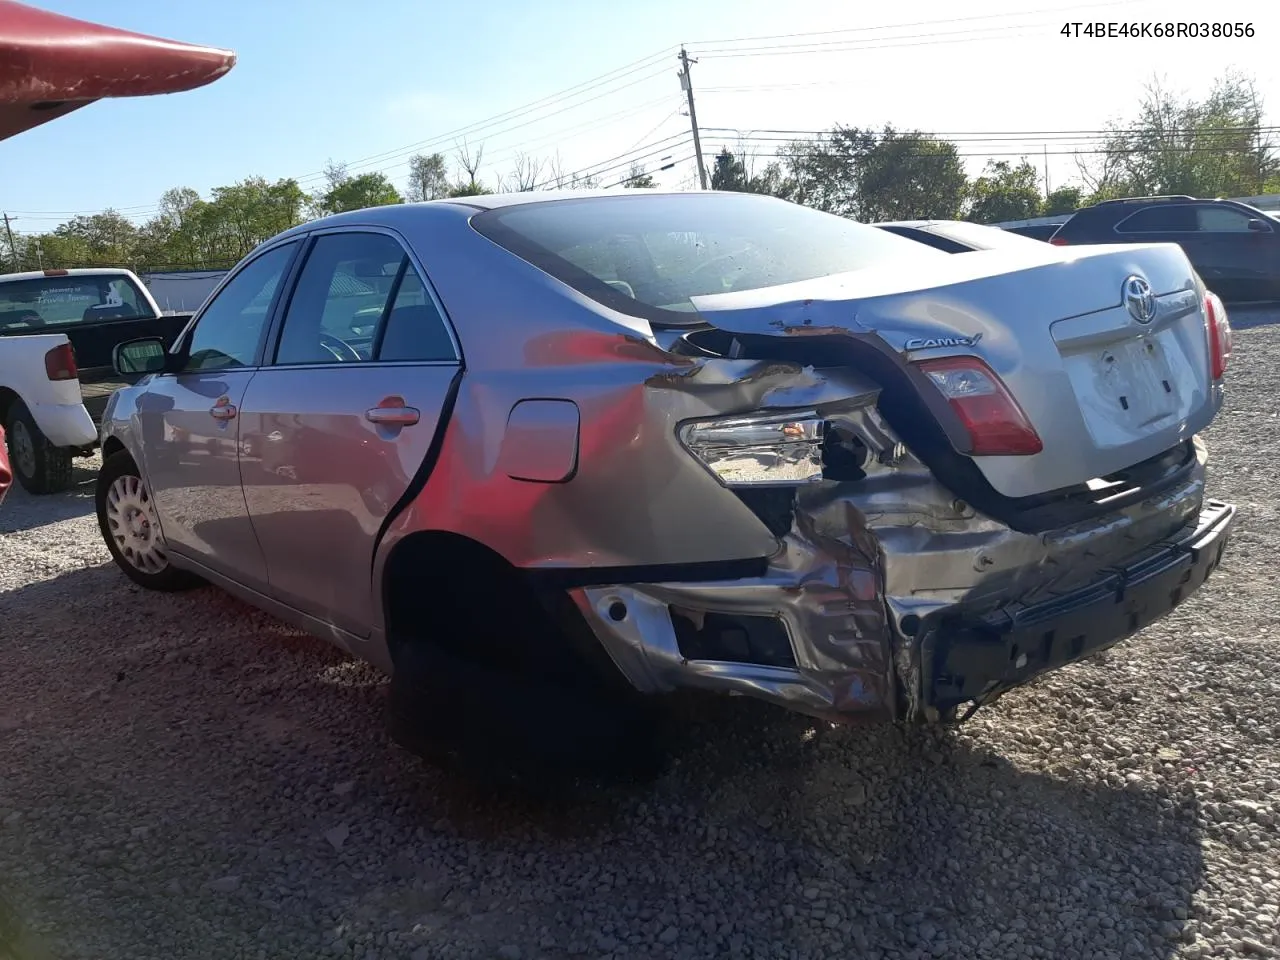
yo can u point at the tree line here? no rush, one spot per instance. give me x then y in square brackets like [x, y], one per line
[1214, 146]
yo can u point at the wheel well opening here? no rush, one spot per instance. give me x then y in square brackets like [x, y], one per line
[110, 447]
[457, 594]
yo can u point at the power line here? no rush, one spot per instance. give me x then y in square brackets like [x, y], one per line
[567, 93]
[864, 46]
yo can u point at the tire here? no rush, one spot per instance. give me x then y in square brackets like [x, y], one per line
[130, 529]
[40, 467]
[504, 729]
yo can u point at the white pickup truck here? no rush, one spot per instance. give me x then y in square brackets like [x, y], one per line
[58, 329]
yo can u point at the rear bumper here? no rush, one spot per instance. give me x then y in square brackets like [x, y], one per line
[813, 634]
[966, 659]
[65, 424]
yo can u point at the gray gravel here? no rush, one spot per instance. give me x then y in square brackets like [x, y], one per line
[184, 777]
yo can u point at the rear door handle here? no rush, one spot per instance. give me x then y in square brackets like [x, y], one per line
[223, 409]
[391, 411]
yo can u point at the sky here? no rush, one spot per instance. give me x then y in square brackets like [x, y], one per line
[368, 84]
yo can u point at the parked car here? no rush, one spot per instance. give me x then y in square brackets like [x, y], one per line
[58, 329]
[1234, 247]
[552, 453]
[1036, 231]
[958, 236]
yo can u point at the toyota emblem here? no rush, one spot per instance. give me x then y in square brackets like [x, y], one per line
[1139, 299]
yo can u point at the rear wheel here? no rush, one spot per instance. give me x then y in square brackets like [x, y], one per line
[503, 684]
[127, 519]
[39, 466]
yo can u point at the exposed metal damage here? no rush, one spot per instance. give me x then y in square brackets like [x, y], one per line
[883, 582]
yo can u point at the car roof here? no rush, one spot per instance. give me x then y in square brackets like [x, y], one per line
[405, 214]
[55, 274]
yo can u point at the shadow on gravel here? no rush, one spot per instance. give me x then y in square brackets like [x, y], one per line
[23, 511]
[212, 767]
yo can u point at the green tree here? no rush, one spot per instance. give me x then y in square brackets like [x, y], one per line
[638, 179]
[428, 177]
[1215, 147]
[1005, 192]
[1063, 200]
[239, 217]
[728, 172]
[872, 176]
[346, 192]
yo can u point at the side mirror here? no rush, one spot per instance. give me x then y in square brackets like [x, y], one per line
[1258, 226]
[139, 357]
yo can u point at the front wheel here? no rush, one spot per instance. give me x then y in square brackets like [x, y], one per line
[39, 466]
[127, 519]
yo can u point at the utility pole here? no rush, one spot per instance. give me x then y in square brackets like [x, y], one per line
[13, 247]
[1047, 191]
[687, 83]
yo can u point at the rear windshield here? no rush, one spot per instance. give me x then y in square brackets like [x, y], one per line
[61, 301]
[650, 255]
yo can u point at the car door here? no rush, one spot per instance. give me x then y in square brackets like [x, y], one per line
[189, 423]
[1240, 251]
[341, 417]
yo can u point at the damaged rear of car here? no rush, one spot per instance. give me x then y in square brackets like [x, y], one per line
[868, 479]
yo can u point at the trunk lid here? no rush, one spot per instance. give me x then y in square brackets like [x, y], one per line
[1108, 375]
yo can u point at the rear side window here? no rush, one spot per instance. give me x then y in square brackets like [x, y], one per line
[359, 299]
[649, 256]
[1168, 218]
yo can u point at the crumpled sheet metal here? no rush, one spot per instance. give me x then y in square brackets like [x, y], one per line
[825, 592]
[823, 582]
[860, 558]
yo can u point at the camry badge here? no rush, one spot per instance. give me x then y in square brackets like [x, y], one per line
[928, 343]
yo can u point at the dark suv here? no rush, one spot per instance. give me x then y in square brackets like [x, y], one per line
[1234, 247]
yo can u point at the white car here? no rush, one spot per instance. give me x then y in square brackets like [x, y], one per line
[57, 332]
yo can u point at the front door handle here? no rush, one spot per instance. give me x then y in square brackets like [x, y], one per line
[223, 409]
[392, 412]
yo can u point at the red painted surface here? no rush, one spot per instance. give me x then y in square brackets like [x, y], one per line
[6, 475]
[51, 65]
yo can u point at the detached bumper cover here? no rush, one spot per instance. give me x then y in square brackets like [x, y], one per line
[964, 660]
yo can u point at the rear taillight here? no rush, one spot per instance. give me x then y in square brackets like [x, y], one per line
[1058, 241]
[996, 424]
[1218, 328]
[60, 363]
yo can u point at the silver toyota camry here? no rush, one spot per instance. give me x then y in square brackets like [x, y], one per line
[544, 456]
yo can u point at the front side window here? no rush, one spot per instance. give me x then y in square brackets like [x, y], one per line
[359, 299]
[63, 301]
[651, 255]
[1220, 219]
[231, 327]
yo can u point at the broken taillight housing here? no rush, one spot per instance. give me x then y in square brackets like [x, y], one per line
[765, 450]
[996, 424]
[1218, 329]
[60, 363]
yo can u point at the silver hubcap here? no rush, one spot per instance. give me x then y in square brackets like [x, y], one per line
[24, 449]
[131, 518]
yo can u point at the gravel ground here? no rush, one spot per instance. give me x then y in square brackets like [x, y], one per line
[184, 777]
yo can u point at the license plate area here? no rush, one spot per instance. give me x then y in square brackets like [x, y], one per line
[1136, 379]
